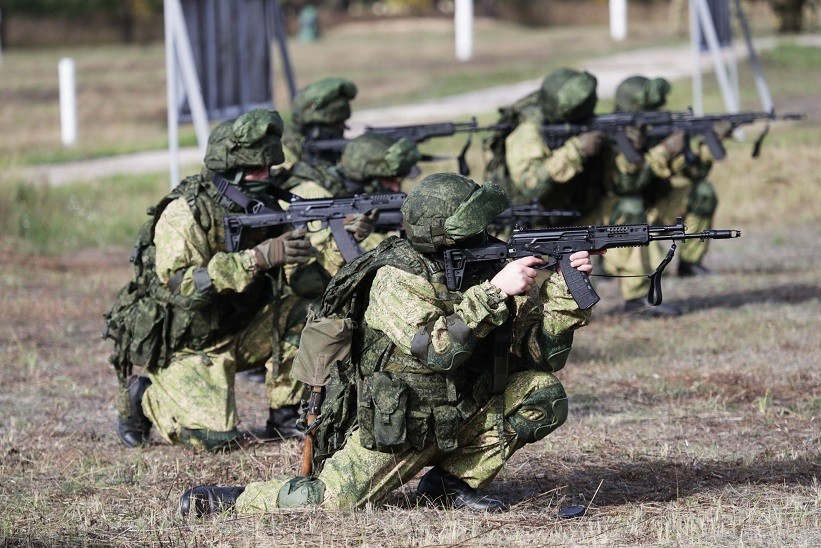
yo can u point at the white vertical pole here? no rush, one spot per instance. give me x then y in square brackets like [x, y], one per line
[618, 19]
[68, 101]
[730, 102]
[171, 97]
[463, 23]
[695, 49]
[185, 58]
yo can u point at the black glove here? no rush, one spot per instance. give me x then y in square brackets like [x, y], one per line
[287, 248]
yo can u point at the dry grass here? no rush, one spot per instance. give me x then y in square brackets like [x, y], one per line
[700, 431]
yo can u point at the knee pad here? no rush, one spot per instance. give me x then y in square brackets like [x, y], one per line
[703, 199]
[540, 414]
[301, 491]
[208, 440]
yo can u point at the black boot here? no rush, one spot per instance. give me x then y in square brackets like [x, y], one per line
[208, 499]
[133, 430]
[256, 374]
[640, 307]
[446, 489]
[281, 423]
[693, 269]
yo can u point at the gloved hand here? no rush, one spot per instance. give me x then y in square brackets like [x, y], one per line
[674, 143]
[591, 142]
[636, 137]
[723, 129]
[361, 225]
[287, 248]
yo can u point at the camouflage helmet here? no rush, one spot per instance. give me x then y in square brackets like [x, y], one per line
[638, 93]
[568, 95]
[374, 155]
[250, 141]
[445, 208]
[325, 102]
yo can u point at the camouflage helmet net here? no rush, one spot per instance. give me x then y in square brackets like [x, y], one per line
[373, 155]
[445, 208]
[325, 102]
[568, 95]
[250, 141]
[638, 93]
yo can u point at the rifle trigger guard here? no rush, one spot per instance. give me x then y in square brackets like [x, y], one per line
[654, 296]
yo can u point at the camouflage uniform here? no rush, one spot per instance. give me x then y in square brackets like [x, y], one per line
[658, 189]
[567, 177]
[252, 314]
[318, 112]
[422, 382]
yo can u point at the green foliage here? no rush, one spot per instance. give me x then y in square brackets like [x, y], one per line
[56, 219]
[76, 8]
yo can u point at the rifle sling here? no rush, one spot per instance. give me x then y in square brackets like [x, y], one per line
[654, 293]
[249, 205]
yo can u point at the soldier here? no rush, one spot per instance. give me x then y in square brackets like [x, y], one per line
[196, 314]
[667, 186]
[421, 389]
[318, 112]
[566, 177]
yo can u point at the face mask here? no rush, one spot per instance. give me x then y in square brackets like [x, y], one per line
[324, 133]
[255, 186]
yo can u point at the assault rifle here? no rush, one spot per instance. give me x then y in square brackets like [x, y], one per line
[657, 125]
[555, 246]
[523, 214]
[416, 133]
[331, 212]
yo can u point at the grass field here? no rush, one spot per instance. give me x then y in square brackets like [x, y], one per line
[697, 431]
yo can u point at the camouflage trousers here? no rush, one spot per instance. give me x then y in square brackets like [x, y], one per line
[696, 203]
[355, 476]
[192, 402]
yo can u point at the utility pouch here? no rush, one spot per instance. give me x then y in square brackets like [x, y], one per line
[382, 413]
[323, 342]
[446, 425]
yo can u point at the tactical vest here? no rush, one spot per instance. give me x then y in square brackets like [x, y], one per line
[395, 401]
[148, 321]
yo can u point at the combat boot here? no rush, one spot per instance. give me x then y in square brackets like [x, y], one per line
[446, 489]
[693, 269]
[209, 499]
[281, 423]
[640, 307]
[133, 430]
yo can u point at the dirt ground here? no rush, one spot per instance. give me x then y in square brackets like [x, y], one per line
[699, 429]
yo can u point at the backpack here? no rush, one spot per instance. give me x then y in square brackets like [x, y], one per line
[332, 341]
[144, 331]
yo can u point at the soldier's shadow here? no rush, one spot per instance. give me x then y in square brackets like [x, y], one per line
[789, 294]
[660, 480]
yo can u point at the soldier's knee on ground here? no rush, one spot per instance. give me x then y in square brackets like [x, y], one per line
[301, 491]
[703, 199]
[540, 413]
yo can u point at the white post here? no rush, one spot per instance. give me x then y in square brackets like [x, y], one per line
[730, 102]
[171, 97]
[185, 58]
[695, 49]
[618, 19]
[68, 101]
[463, 23]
